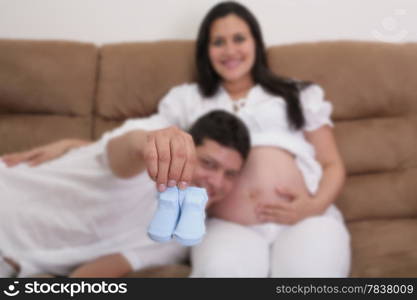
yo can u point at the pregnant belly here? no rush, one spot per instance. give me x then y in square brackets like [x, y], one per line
[265, 168]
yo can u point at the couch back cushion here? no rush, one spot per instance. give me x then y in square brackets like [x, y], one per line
[46, 91]
[135, 76]
[373, 89]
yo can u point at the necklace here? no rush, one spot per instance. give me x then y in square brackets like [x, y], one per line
[238, 104]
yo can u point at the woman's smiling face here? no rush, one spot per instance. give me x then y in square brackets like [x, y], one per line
[231, 49]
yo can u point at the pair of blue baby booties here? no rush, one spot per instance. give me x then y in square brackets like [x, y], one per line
[181, 215]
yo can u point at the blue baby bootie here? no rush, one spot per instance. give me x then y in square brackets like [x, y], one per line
[191, 225]
[166, 216]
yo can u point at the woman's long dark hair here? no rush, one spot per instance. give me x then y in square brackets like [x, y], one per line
[208, 80]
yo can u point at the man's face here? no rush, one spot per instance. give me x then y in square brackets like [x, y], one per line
[217, 169]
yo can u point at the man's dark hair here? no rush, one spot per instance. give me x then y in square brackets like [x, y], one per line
[224, 128]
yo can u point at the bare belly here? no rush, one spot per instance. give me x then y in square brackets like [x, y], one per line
[265, 168]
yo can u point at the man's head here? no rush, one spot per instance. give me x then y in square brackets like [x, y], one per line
[222, 145]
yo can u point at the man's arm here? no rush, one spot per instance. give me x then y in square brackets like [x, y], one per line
[111, 266]
[125, 153]
[39, 155]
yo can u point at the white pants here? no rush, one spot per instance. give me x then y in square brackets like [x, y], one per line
[318, 246]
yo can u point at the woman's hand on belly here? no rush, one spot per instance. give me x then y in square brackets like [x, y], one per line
[255, 198]
[298, 206]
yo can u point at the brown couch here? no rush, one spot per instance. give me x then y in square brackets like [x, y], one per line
[57, 89]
